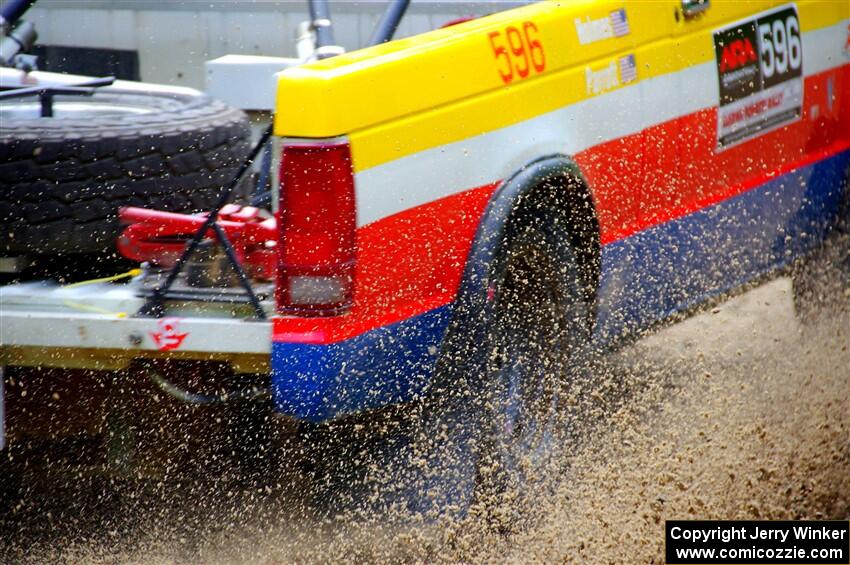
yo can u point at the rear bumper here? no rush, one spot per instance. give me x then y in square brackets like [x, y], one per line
[91, 327]
[387, 365]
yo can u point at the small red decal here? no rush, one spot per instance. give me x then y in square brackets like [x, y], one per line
[168, 337]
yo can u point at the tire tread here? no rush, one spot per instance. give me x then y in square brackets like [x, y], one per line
[61, 184]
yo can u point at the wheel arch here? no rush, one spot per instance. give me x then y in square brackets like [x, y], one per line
[553, 180]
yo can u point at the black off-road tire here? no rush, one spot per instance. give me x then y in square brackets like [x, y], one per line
[536, 353]
[449, 454]
[537, 361]
[63, 179]
[465, 458]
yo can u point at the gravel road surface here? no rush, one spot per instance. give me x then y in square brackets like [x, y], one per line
[738, 412]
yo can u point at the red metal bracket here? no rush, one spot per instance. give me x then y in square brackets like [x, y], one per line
[160, 237]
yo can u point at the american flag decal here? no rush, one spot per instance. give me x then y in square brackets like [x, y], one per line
[628, 70]
[619, 22]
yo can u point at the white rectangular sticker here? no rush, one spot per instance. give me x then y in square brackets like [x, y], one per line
[760, 75]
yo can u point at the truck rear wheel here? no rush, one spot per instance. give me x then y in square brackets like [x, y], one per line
[63, 178]
[496, 436]
[494, 430]
[821, 280]
[539, 337]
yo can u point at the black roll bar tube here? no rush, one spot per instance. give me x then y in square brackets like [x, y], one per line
[46, 93]
[320, 20]
[388, 23]
[12, 10]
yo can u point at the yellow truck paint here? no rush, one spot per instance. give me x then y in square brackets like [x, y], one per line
[444, 86]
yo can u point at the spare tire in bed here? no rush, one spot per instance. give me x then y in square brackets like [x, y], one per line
[63, 178]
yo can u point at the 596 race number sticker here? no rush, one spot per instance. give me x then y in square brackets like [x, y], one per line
[519, 52]
[760, 74]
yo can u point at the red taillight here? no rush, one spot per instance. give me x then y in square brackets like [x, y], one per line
[317, 228]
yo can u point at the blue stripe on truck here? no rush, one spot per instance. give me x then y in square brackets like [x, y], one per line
[384, 366]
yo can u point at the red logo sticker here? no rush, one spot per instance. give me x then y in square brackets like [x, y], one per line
[168, 337]
[737, 54]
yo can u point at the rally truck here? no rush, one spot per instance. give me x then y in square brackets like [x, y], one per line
[459, 218]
